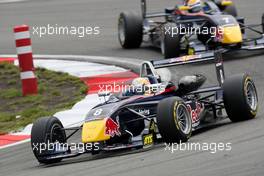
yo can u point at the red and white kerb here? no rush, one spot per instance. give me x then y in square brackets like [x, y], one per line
[25, 59]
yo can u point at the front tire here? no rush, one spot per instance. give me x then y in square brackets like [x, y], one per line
[174, 120]
[130, 30]
[45, 131]
[240, 98]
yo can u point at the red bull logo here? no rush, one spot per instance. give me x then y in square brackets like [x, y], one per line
[112, 128]
[195, 112]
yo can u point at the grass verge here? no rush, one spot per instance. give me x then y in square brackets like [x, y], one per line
[57, 91]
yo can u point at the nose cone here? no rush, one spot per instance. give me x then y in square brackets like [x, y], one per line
[99, 130]
[94, 131]
[231, 34]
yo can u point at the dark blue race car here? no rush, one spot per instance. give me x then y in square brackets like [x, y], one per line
[163, 112]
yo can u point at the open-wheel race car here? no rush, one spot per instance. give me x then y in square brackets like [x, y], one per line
[183, 30]
[158, 112]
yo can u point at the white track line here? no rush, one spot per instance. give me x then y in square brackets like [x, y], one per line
[131, 62]
[11, 1]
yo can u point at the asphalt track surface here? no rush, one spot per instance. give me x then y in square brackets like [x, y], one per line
[247, 138]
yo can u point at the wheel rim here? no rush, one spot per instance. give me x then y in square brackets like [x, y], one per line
[251, 95]
[121, 31]
[57, 134]
[183, 118]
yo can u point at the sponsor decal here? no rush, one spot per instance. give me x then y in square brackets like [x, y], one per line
[144, 111]
[148, 140]
[112, 128]
[195, 112]
[152, 127]
[98, 112]
[185, 58]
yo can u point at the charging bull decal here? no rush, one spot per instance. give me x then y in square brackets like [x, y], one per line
[112, 128]
[195, 109]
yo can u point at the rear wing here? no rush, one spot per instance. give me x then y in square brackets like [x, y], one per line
[215, 56]
[184, 60]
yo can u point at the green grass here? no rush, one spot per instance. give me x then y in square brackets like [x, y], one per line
[10, 93]
[57, 91]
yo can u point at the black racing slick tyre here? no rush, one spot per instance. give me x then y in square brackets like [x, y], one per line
[45, 131]
[170, 41]
[240, 98]
[174, 120]
[231, 10]
[130, 30]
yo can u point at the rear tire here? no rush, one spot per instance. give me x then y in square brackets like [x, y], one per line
[240, 98]
[46, 130]
[130, 30]
[173, 120]
[170, 43]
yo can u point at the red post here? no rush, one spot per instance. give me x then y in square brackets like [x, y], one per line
[25, 58]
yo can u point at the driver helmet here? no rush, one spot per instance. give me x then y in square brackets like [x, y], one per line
[195, 5]
[141, 84]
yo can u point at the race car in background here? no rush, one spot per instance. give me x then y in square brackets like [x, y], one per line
[177, 31]
[166, 113]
